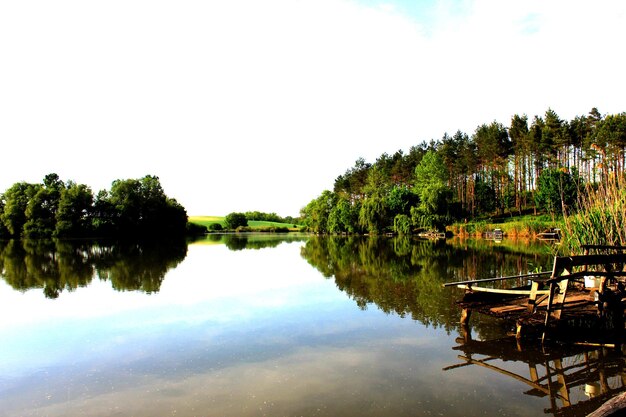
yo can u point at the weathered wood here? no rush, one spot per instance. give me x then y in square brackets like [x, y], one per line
[465, 316]
[484, 280]
[614, 407]
[513, 375]
[500, 290]
[564, 304]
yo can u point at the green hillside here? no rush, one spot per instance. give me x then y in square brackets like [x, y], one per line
[254, 224]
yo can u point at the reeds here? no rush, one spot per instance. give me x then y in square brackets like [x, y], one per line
[600, 218]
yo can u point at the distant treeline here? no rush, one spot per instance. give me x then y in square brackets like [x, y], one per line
[131, 208]
[269, 217]
[533, 165]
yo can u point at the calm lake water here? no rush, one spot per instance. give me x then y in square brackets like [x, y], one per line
[275, 326]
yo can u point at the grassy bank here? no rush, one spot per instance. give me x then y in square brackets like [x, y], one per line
[522, 226]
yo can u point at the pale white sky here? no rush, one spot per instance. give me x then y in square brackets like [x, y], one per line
[259, 105]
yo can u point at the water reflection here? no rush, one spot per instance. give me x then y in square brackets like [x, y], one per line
[574, 380]
[241, 241]
[64, 265]
[239, 332]
[404, 276]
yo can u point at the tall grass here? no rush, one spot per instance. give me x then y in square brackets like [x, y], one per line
[600, 218]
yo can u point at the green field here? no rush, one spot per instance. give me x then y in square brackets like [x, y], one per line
[254, 224]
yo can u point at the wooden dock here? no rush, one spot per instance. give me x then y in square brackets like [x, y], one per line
[583, 297]
[555, 374]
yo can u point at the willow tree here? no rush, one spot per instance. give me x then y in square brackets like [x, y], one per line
[373, 212]
[431, 186]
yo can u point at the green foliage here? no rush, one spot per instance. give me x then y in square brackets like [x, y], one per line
[140, 207]
[493, 171]
[557, 190]
[343, 217]
[485, 197]
[316, 213]
[235, 220]
[372, 215]
[402, 224]
[431, 184]
[73, 216]
[215, 227]
[404, 276]
[601, 217]
[270, 218]
[15, 201]
[132, 208]
[400, 199]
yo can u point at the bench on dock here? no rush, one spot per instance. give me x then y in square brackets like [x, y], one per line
[578, 288]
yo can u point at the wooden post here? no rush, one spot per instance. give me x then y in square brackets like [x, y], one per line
[532, 298]
[465, 316]
[557, 291]
[559, 299]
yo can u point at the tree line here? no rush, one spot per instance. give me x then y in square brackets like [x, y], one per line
[53, 208]
[537, 164]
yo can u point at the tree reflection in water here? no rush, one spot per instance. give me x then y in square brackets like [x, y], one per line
[64, 265]
[403, 276]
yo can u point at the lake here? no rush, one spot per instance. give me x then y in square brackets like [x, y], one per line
[271, 325]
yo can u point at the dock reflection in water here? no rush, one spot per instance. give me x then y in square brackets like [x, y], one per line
[244, 325]
[574, 379]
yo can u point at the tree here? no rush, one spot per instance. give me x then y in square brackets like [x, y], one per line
[352, 182]
[557, 190]
[15, 202]
[373, 211]
[234, 220]
[373, 214]
[42, 207]
[518, 132]
[494, 147]
[4, 232]
[431, 184]
[402, 224]
[342, 217]
[553, 142]
[104, 215]
[399, 200]
[73, 216]
[139, 207]
[125, 201]
[431, 187]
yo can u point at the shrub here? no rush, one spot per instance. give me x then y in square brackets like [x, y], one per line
[215, 227]
[236, 220]
[194, 229]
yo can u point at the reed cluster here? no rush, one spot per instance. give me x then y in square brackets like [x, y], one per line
[600, 218]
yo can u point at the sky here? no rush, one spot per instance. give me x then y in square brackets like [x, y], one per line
[250, 105]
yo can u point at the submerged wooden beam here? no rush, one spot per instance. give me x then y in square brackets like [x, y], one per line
[465, 316]
[501, 290]
[477, 281]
